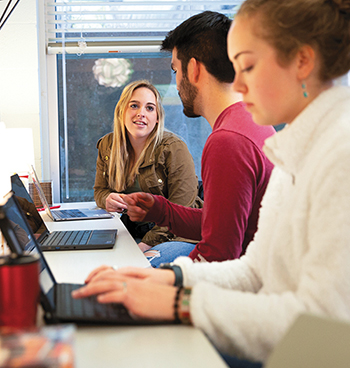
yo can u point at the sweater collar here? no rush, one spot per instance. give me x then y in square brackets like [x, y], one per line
[288, 148]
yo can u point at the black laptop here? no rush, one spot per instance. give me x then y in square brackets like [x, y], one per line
[56, 298]
[69, 214]
[60, 240]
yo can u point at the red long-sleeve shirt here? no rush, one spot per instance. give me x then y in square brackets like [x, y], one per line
[235, 173]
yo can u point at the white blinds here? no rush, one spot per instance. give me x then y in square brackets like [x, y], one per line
[120, 25]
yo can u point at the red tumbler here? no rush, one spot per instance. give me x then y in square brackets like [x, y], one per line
[19, 291]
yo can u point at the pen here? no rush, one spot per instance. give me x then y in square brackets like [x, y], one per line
[51, 208]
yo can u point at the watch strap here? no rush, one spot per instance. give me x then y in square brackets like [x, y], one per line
[177, 271]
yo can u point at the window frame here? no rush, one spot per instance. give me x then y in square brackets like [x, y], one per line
[49, 99]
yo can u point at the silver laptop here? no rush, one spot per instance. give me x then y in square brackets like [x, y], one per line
[71, 214]
[59, 240]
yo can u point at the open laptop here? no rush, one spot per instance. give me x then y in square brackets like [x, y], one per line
[69, 214]
[59, 240]
[56, 298]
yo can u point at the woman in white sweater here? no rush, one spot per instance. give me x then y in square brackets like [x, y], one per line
[286, 55]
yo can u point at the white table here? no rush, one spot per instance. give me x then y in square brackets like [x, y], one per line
[74, 266]
[167, 346]
[163, 346]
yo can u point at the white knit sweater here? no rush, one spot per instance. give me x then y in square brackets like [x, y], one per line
[299, 260]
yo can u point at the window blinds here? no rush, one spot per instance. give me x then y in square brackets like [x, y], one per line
[119, 25]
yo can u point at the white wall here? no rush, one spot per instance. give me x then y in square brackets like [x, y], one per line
[19, 73]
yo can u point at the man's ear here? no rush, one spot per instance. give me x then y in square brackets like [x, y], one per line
[305, 61]
[193, 70]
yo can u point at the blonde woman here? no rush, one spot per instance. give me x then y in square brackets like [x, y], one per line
[140, 156]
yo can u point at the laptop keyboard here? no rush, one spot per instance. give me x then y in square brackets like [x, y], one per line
[88, 307]
[77, 237]
[69, 213]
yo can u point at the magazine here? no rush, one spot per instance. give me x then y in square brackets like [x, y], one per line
[47, 347]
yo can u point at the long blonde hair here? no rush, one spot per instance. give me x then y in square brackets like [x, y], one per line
[121, 173]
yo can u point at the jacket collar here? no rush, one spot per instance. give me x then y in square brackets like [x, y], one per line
[288, 148]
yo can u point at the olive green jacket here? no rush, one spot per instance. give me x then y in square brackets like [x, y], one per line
[168, 171]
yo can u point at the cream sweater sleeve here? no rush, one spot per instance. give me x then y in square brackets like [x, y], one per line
[298, 263]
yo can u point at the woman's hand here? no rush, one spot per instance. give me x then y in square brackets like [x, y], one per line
[166, 277]
[138, 205]
[115, 203]
[140, 295]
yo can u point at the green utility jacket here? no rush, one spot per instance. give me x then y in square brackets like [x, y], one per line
[168, 171]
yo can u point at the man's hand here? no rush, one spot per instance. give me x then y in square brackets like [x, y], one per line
[138, 205]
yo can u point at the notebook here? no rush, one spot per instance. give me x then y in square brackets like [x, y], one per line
[59, 240]
[71, 214]
[56, 300]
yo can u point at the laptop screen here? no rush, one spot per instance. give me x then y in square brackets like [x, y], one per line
[29, 210]
[14, 222]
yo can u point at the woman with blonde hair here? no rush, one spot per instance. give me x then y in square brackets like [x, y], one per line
[140, 156]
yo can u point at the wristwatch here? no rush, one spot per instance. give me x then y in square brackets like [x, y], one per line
[177, 271]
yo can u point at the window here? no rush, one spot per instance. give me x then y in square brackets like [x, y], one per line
[93, 89]
[101, 46]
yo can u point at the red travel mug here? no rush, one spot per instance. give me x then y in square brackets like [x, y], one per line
[19, 291]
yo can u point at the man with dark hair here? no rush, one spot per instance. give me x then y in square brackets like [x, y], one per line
[203, 37]
[235, 171]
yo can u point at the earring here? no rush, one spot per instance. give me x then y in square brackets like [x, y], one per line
[305, 93]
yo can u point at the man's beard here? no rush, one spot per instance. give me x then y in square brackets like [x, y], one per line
[188, 93]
